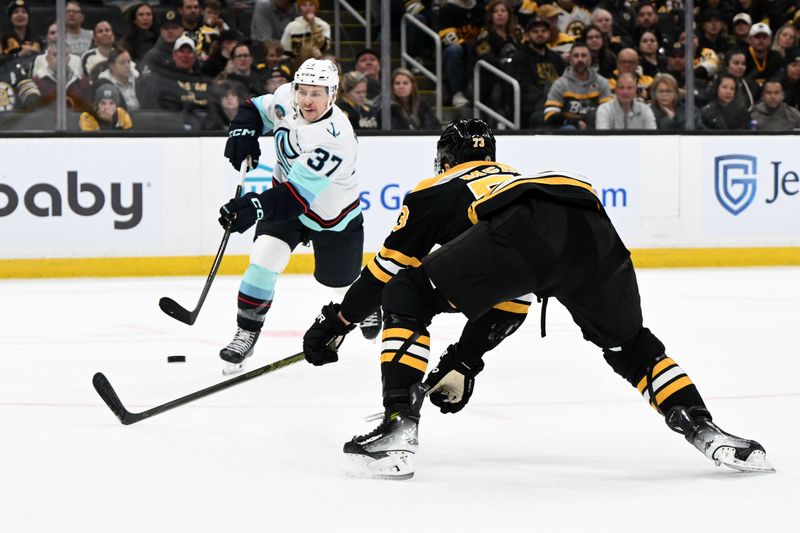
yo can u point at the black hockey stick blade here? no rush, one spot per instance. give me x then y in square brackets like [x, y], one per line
[109, 395]
[177, 311]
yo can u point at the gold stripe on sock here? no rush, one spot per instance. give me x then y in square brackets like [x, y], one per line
[672, 388]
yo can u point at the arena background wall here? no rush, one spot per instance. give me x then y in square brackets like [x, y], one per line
[148, 206]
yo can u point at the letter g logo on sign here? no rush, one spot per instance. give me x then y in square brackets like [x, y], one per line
[735, 181]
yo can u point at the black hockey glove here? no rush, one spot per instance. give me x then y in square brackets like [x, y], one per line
[241, 213]
[323, 338]
[451, 382]
[243, 136]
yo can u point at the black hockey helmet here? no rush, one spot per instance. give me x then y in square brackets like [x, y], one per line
[463, 141]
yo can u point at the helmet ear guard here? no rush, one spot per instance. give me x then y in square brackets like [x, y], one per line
[320, 73]
[463, 141]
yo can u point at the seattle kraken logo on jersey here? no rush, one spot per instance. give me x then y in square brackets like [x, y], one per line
[735, 181]
[284, 150]
[332, 130]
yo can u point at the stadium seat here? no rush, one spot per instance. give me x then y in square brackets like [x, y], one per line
[112, 14]
[39, 120]
[157, 121]
[40, 18]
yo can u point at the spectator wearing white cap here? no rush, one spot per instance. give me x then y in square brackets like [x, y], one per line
[179, 88]
[765, 62]
[739, 38]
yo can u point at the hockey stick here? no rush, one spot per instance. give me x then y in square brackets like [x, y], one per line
[176, 310]
[109, 395]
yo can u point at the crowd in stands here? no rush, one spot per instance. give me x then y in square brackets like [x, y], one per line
[581, 64]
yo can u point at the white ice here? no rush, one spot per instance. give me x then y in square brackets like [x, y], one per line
[552, 440]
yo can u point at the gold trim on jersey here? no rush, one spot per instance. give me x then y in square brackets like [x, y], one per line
[387, 263]
[548, 180]
[513, 306]
[480, 169]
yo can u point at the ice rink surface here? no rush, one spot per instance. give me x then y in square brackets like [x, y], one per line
[552, 440]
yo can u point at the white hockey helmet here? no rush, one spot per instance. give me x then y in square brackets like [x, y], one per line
[319, 72]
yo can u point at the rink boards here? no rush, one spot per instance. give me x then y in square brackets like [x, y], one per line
[148, 206]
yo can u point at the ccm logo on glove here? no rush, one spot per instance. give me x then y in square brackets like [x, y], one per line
[242, 131]
[241, 213]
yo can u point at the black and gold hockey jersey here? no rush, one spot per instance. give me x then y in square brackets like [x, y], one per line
[560, 186]
[435, 212]
[460, 24]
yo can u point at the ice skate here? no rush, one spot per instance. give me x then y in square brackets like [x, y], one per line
[722, 448]
[371, 326]
[239, 349]
[387, 452]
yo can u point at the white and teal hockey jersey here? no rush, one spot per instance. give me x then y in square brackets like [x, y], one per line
[316, 160]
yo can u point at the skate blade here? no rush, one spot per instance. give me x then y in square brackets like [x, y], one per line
[756, 461]
[395, 466]
[232, 368]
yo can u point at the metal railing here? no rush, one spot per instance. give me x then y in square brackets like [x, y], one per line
[365, 21]
[480, 106]
[406, 58]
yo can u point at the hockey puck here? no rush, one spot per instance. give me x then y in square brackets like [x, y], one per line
[176, 359]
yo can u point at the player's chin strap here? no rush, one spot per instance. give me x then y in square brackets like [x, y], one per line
[544, 314]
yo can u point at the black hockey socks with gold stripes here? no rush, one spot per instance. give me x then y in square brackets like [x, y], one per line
[405, 350]
[659, 379]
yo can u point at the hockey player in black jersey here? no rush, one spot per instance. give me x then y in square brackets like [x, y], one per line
[547, 234]
[435, 212]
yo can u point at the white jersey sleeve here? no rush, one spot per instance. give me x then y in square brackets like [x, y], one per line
[273, 108]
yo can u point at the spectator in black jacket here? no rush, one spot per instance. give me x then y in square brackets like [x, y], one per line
[535, 67]
[604, 61]
[747, 90]
[353, 102]
[140, 33]
[760, 58]
[160, 55]
[771, 113]
[225, 98]
[667, 105]
[650, 60]
[497, 42]
[220, 53]
[739, 38]
[711, 35]
[241, 70]
[179, 88]
[459, 23]
[724, 112]
[646, 20]
[408, 111]
[791, 78]
[623, 14]
[277, 76]
[18, 41]
[369, 64]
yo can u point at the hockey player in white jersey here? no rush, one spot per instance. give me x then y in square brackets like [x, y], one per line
[314, 197]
